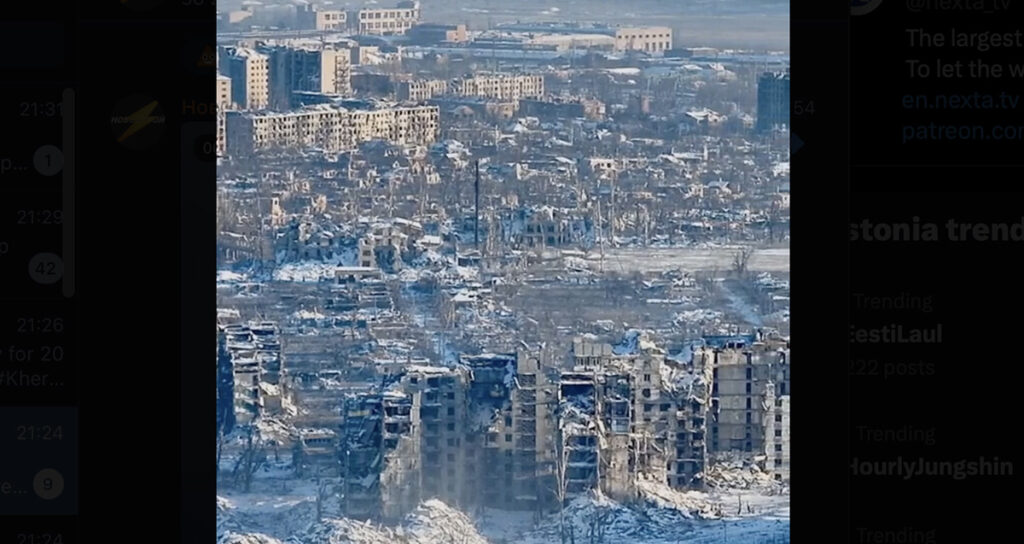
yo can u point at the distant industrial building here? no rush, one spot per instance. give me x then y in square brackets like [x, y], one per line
[309, 18]
[652, 39]
[773, 101]
[387, 21]
[435, 33]
[564, 108]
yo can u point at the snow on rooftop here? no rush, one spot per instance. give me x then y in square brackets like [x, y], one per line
[635, 341]
[629, 71]
[227, 313]
[307, 314]
[316, 432]
[426, 369]
[227, 276]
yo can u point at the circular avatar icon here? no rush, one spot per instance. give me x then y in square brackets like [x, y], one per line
[137, 122]
[48, 484]
[863, 7]
[45, 268]
[48, 160]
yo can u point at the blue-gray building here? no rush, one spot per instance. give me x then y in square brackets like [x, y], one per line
[772, 100]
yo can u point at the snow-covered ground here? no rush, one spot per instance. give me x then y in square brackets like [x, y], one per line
[312, 271]
[660, 516]
[690, 259]
[739, 304]
[665, 516]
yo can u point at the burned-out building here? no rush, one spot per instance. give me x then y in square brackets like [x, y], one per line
[558, 107]
[362, 455]
[479, 434]
[780, 441]
[750, 373]
[315, 452]
[520, 441]
[648, 414]
[250, 367]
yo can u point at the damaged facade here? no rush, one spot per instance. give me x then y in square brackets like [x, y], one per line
[250, 373]
[751, 378]
[476, 434]
[648, 413]
[504, 430]
[331, 128]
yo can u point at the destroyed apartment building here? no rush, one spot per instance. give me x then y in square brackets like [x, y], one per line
[646, 413]
[475, 435]
[507, 431]
[750, 399]
[250, 373]
[332, 128]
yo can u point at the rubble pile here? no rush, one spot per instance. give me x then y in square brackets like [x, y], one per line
[737, 474]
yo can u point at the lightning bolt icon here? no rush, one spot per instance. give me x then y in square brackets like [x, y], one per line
[139, 120]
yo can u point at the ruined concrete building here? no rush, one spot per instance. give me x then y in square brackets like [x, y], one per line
[250, 373]
[492, 86]
[249, 73]
[419, 90]
[499, 86]
[384, 242]
[780, 450]
[558, 107]
[317, 70]
[648, 413]
[520, 445]
[315, 452]
[505, 430]
[362, 454]
[751, 386]
[475, 435]
[330, 128]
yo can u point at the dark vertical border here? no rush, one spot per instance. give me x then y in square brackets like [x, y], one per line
[145, 260]
[820, 270]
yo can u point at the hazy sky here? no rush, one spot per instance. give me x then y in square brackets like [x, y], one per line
[755, 24]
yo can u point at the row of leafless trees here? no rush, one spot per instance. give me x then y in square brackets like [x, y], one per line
[251, 458]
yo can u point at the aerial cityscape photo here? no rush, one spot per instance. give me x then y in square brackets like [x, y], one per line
[503, 272]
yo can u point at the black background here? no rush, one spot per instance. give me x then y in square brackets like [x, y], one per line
[975, 286]
[147, 255]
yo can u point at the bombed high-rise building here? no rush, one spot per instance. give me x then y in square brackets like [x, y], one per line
[250, 373]
[509, 431]
[773, 100]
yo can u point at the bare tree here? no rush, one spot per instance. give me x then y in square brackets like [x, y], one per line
[774, 215]
[323, 489]
[252, 458]
[740, 261]
[706, 281]
[597, 526]
[220, 448]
